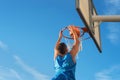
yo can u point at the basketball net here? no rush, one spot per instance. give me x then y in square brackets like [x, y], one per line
[70, 43]
[69, 39]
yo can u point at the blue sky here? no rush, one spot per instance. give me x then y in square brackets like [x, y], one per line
[29, 30]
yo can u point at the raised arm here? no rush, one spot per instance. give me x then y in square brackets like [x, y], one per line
[57, 43]
[76, 43]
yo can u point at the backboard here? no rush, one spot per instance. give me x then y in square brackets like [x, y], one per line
[86, 10]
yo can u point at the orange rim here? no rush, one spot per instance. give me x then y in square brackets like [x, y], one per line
[82, 31]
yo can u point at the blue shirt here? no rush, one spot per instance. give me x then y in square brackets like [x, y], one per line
[64, 67]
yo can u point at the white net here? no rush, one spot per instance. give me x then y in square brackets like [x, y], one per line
[70, 43]
[68, 38]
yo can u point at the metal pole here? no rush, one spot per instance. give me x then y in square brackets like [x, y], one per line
[110, 18]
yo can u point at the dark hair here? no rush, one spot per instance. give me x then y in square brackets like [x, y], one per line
[62, 48]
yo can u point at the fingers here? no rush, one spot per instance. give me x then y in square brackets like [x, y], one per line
[70, 27]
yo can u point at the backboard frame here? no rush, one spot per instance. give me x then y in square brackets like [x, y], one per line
[86, 10]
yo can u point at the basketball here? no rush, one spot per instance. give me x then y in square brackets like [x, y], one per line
[77, 30]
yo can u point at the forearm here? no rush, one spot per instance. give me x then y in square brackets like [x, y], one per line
[76, 38]
[59, 39]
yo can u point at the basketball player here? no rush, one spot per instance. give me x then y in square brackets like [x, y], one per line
[65, 62]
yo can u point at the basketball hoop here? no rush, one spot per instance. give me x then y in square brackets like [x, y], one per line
[80, 31]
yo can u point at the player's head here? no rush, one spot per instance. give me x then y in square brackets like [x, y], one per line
[62, 48]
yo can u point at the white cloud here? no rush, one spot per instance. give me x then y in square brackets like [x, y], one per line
[114, 33]
[12, 74]
[9, 74]
[114, 2]
[112, 73]
[24, 72]
[113, 38]
[37, 75]
[3, 46]
[15, 73]
[113, 8]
